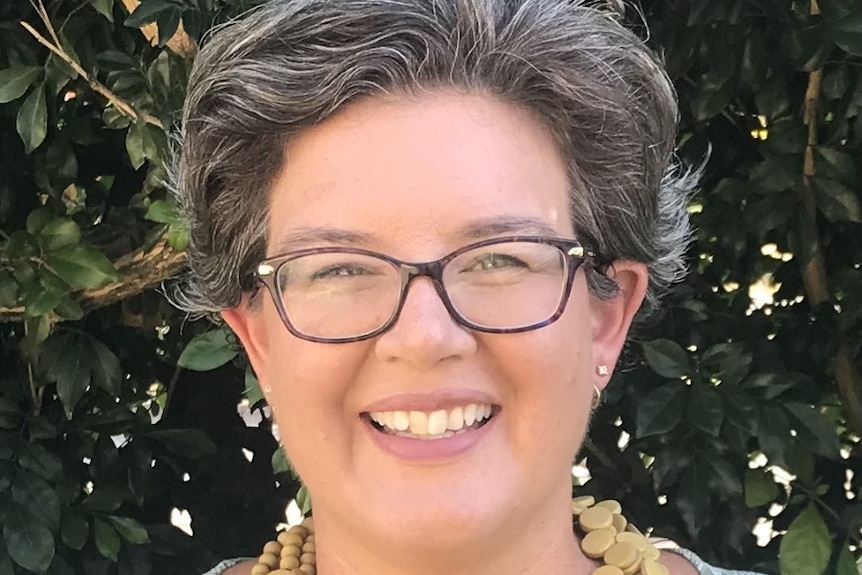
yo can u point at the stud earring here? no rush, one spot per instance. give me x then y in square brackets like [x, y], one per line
[602, 370]
[267, 389]
[597, 398]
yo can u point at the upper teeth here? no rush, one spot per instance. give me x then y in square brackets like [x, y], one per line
[431, 423]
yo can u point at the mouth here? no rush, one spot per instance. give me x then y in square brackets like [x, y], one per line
[431, 425]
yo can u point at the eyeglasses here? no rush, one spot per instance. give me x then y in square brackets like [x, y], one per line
[500, 285]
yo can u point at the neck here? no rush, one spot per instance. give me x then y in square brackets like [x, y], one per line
[541, 542]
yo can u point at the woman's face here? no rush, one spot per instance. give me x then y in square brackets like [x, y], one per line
[416, 179]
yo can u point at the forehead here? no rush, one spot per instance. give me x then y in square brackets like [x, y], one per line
[419, 170]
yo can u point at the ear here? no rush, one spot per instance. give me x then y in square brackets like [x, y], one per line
[612, 318]
[247, 322]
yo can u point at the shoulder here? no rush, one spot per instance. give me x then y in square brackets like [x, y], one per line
[684, 562]
[232, 567]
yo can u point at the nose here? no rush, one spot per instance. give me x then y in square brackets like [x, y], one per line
[424, 333]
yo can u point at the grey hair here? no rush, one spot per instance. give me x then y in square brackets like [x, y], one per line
[290, 64]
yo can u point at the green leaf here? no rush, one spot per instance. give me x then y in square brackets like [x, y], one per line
[104, 499]
[59, 233]
[104, 366]
[64, 357]
[74, 530]
[661, 410]
[847, 33]
[806, 547]
[130, 530]
[10, 414]
[105, 8]
[835, 164]
[135, 144]
[280, 463]
[148, 12]
[667, 358]
[30, 491]
[16, 80]
[8, 289]
[29, 543]
[38, 219]
[252, 391]
[207, 351]
[32, 123]
[704, 409]
[846, 562]
[162, 212]
[191, 443]
[107, 539]
[178, 236]
[836, 201]
[303, 500]
[82, 267]
[760, 488]
[43, 295]
[34, 457]
[814, 429]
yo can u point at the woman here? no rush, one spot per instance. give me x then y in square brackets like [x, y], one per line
[431, 224]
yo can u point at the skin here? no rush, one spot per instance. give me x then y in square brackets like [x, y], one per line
[411, 176]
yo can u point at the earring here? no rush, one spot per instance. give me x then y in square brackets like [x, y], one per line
[267, 389]
[602, 370]
[597, 398]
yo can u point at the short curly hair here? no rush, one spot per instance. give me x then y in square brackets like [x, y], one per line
[290, 64]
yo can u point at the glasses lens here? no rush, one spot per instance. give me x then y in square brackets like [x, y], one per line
[338, 295]
[507, 285]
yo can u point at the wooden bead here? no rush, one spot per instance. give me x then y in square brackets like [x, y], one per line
[596, 543]
[640, 542]
[273, 547]
[269, 560]
[611, 504]
[634, 567]
[307, 559]
[259, 569]
[289, 562]
[308, 523]
[291, 551]
[595, 518]
[300, 530]
[308, 569]
[608, 570]
[652, 567]
[287, 538]
[309, 547]
[622, 555]
[620, 522]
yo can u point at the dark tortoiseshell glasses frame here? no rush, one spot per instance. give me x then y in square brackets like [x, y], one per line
[574, 255]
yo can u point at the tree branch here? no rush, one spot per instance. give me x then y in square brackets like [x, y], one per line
[124, 107]
[139, 271]
[815, 279]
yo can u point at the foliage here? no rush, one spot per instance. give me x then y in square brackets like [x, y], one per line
[113, 411]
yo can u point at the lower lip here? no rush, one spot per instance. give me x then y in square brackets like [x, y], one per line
[429, 449]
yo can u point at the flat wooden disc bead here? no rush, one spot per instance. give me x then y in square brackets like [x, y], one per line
[611, 504]
[581, 503]
[652, 567]
[595, 518]
[608, 570]
[596, 543]
[640, 542]
[622, 555]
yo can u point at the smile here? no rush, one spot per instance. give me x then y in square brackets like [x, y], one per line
[438, 424]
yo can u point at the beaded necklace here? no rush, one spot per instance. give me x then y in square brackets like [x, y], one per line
[604, 533]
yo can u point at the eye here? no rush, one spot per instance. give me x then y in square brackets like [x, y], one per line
[494, 261]
[340, 270]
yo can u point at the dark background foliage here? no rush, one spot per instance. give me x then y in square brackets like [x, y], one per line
[739, 406]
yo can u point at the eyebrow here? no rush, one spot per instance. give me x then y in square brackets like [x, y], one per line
[477, 230]
[507, 225]
[300, 237]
